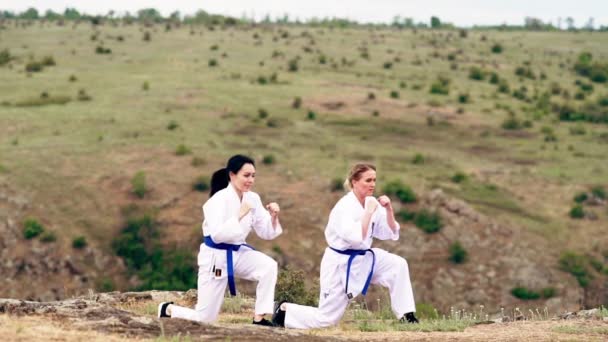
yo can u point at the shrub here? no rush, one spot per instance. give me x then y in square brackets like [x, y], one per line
[79, 242]
[212, 62]
[262, 80]
[262, 113]
[418, 159]
[102, 50]
[172, 125]
[458, 254]
[525, 72]
[198, 161]
[5, 57]
[477, 74]
[387, 65]
[441, 86]
[394, 94]
[503, 87]
[459, 177]
[291, 288]
[272, 122]
[524, 293]
[403, 192]
[429, 222]
[33, 66]
[376, 113]
[311, 115]
[575, 264]
[336, 184]
[48, 236]
[511, 123]
[464, 98]
[580, 197]
[201, 183]
[32, 228]
[105, 284]
[297, 102]
[182, 150]
[497, 48]
[548, 292]
[83, 96]
[147, 36]
[599, 192]
[138, 184]
[48, 61]
[426, 311]
[372, 96]
[268, 159]
[406, 215]
[292, 65]
[577, 212]
[578, 130]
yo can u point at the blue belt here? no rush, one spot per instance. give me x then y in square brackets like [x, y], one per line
[228, 248]
[353, 253]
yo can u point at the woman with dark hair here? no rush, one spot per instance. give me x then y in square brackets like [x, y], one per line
[230, 213]
[349, 264]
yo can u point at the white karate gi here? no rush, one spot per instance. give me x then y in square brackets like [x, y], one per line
[343, 232]
[222, 225]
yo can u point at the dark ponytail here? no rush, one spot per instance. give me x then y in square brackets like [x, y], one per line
[221, 177]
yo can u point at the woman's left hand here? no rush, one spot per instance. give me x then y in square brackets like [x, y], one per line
[385, 201]
[273, 208]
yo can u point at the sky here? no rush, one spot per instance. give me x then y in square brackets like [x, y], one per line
[463, 13]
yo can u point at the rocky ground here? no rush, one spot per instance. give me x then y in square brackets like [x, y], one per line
[126, 316]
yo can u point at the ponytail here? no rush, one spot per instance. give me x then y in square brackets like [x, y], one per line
[219, 181]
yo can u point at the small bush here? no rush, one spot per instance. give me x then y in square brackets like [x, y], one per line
[441, 86]
[138, 184]
[578, 130]
[172, 125]
[48, 61]
[524, 293]
[105, 284]
[580, 197]
[292, 65]
[5, 57]
[512, 123]
[83, 96]
[429, 222]
[311, 115]
[464, 98]
[477, 74]
[48, 236]
[459, 177]
[147, 36]
[372, 96]
[577, 212]
[182, 150]
[394, 94]
[262, 113]
[33, 66]
[418, 159]
[387, 65]
[291, 288]
[212, 62]
[201, 184]
[503, 87]
[32, 228]
[458, 254]
[79, 242]
[406, 215]
[297, 102]
[497, 48]
[102, 50]
[548, 292]
[145, 86]
[376, 113]
[198, 161]
[403, 192]
[575, 264]
[268, 159]
[599, 192]
[337, 184]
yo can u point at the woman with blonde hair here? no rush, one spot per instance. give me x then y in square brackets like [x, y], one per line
[349, 264]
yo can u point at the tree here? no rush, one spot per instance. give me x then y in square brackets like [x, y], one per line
[31, 13]
[589, 25]
[435, 22]
[51, 15]
[149, 14]
[71, 14]
[570, 23]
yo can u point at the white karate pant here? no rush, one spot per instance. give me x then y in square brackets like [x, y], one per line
[390, 271]
[248, 264]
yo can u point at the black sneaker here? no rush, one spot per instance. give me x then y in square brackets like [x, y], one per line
[264, 322]
[409, 318]
[162, 309]
[278, 318]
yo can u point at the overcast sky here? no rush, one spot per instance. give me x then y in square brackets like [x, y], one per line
[458, 12]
